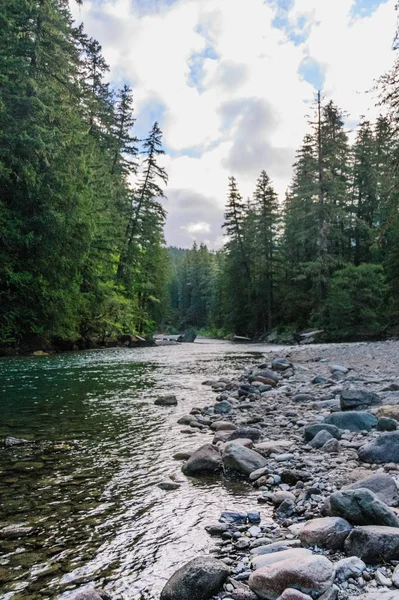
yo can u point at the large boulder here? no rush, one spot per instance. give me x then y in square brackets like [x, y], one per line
[383, 449]
[362, 507]
[223, 426]
[373, 543]
[310, 431]
[357, 399]
[328, 532]
[204, 461]
[242, 459]
[264, 560]
[199, 579]
[352, 420]
[308, 574]
[381, 484]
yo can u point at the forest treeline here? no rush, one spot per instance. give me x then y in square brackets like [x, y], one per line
[328, 257]
[82, 253]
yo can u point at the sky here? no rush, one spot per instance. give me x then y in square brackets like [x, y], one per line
[232, 83]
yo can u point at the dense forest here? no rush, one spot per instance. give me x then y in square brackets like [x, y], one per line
[82, 253]
[327, 258]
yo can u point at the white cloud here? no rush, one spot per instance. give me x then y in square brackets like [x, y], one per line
[228, 81]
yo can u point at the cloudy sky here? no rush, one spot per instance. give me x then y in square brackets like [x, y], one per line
[231, 83]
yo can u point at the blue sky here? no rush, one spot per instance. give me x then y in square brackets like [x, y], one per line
[231, 83]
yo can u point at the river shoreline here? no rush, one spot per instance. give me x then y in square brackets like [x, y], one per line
[298, 470]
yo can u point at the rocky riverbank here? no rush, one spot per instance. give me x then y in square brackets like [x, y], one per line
[316, 433]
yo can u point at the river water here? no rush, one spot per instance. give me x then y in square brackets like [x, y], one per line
[88, 482]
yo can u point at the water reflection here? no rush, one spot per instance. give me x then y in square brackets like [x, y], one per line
[87, 483]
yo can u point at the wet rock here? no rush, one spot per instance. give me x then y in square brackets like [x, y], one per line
[12, 532]
[223, 426]
[358, 399]
[352, 420]
[387, 424]
[303, 398]
[292, 476]
[309, 574]
[168, 485]
[182, 455]
[310, 431]
[380, 595]
[383, 449]
[187, 420]
[320, 439]
[221, 408]
[292, 594]
[169, 400]
[199, 579]
[318, 380]
[349, 567]
[383, 486]
[265, 560]
[12, 441]
[241, 459]
[250, 433]
[328, 532]
[281, 364]
[373, 543]
[362, 507]
[285, 509]
[258, 473]
[91, 594]
[204, 461]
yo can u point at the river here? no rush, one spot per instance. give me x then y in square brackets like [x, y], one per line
[88, 483]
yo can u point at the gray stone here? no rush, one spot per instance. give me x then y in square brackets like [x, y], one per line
[267, 374]
[320, 439]
[223, 407]
[281, 364]
[278, 497]
[292, 594]
[380, 595]
[204, 461]
[285, 509]
[168, 485]
[310, 431]
[199, 579]
[309, 574]
[330, 594]
[12, 532]
[223, 426]
[352, 420]
[373, 543]
[383, 486]
[362, 507]
[349, 567]
[241, 459]
[303, 398]
[384, 449]
[319, 380]
[264, 560]
[387, 424]
[275, 547]
[169, 400]
[12, 441]
[250, 433]
[395, 576]
[338, 369]
[331, 447]
[328, 532]
[358, 399]
[273, 446]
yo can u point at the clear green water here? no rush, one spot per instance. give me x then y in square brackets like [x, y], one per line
[88, 482]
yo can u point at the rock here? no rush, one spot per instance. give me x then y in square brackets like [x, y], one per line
[12, 441]
[292, 594]
[281, 364]
[331, 447]
[264, 560]
[250, 433]
[223, 426]
[267, 374]
[357, 399]
[168, 485]
[91, 594]
[272, 447]
[338, 369]
[383, 486]
[318, 380]
[292, 476]
[395, 576]
[328, 532]
[310, 431]
[380, 595]
[303, 398]
[352, 420]
[373, 543]
[267, 382]
[391, 411]
[199, 579]
[241, 459]
[243, 594]
[386, 424]
[221, 408]
[349, 567]
[182, 455]
[309, 574]
[320, 439]
[231, 516]
[280, 496]
[362, 507]
[12, 532]
[285, 509]
[204, 461]
[330, 594]
[258, 473]
[275, 547]
[383, 449]
[169, 400]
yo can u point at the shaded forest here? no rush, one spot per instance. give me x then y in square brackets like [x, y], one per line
[82, 252]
